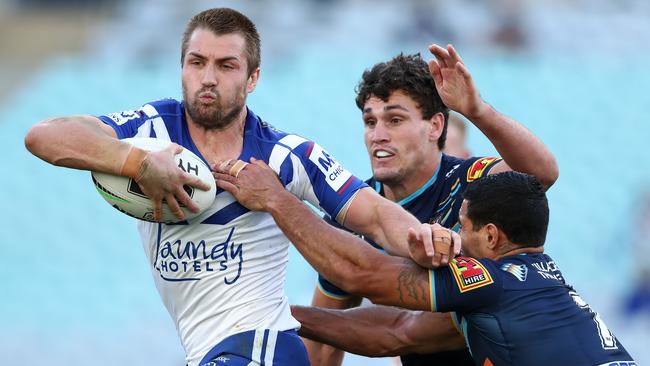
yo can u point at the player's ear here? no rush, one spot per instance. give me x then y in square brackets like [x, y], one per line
[252, 80]
[494, 236]
[437, 123]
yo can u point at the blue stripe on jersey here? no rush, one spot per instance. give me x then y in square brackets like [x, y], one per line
[286, 171]
[226, 214]
[426, 185]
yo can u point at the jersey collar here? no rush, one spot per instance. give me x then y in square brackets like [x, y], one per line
[419, 191]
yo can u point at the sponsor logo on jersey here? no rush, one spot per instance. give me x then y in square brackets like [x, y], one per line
[182, 260]
[336, 176]
[124, 117]
[548, 270]
[476, 170]
[520, 271]
[469, 273]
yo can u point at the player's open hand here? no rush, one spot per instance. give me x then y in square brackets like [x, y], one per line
[254, 185]
[454, 82]
[433, 246]
[161, 179]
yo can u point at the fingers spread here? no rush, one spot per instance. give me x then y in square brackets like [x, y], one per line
[174, 207]
[463, 71]
[157, 209]
[195, 181]
[434, 69]
[182, 196]
[441, 55]
[454, 56]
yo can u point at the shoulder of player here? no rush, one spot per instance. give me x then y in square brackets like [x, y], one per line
[471, 273]
[476, 167]
[162, 108]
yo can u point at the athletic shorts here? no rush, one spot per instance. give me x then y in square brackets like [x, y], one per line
[263, 347]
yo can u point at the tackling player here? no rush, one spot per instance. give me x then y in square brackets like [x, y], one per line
[221, 274]
[509, 299]
[404, 106]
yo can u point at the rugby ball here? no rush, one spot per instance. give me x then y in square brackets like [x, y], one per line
[125, 195]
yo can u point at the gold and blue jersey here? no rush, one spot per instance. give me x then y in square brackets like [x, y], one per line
[519, 310]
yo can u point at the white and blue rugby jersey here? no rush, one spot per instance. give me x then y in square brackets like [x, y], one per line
[223, 272]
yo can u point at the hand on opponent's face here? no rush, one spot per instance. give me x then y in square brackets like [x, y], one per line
[253, 184]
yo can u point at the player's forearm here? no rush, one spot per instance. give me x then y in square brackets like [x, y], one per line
[520, 148]
[350, 330]
[321, 354]
[343, 258]
[77, 142]
[382, 220]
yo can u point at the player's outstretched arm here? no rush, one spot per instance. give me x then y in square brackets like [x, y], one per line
[379, 331]
[366, 213]
[343, 258]
[321, 354]
[387, 223]
[84, 142]
[520, 149]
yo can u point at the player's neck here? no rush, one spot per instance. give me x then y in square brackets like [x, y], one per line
[514, 250]
[399, 190]
[219, 144]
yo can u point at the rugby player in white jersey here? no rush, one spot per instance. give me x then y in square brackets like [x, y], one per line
[221, 274]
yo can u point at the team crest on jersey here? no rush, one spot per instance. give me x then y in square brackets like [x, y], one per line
[476, 170]
[469, 273]
[519, 271]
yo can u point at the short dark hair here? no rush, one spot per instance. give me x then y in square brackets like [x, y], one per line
[515, 202]
[226, 21]
[410, 74]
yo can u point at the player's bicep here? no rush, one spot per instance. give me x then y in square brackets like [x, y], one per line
[399, 282]
[103, 126]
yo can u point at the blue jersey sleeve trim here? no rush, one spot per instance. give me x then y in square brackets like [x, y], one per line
[118, 131]
[424, 187]
[432, 283]
[331, 295]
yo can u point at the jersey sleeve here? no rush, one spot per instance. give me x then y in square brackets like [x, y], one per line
[464, 285]
[126, 123]
[147, 121]
[475, 168]
[313, 175]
